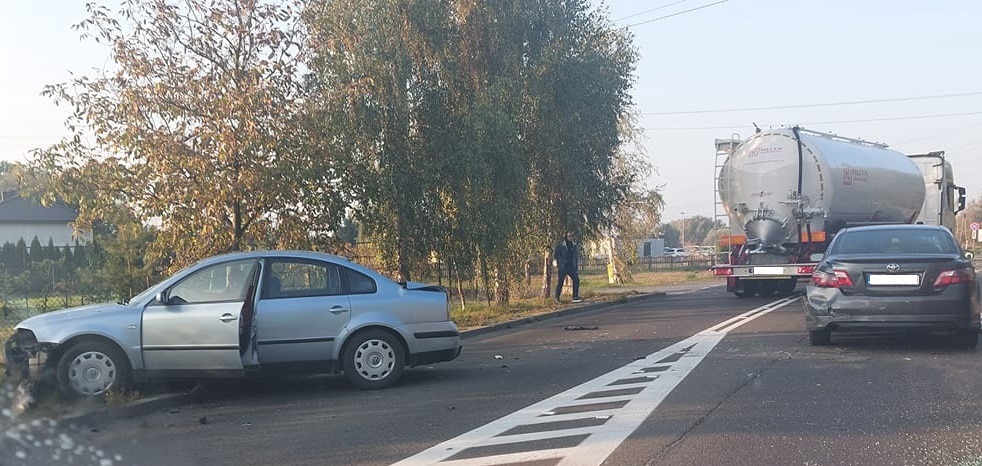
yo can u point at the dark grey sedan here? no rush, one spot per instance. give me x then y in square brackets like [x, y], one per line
[243, 313]
[894, 277]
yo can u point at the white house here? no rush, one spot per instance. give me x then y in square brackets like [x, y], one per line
[26, 218]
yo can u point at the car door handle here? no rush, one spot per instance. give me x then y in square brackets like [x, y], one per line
[338, 310]
[226, 317]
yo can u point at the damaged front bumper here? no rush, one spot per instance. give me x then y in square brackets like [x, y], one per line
[26, 358]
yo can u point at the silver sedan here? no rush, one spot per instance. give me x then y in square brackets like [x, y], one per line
[238, 314]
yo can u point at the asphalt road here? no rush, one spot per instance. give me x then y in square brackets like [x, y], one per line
[665, 381]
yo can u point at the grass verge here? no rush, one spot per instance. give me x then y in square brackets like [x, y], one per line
[593, 287]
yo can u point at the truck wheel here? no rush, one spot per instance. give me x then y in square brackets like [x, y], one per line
[820, 337]
[373, 359]
[767, 288]
[968, 338]
[92, 369]
[745, 288]
[788, 286]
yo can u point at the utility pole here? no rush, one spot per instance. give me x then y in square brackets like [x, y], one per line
[683, 231]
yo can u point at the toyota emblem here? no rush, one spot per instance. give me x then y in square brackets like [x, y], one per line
[893, 267]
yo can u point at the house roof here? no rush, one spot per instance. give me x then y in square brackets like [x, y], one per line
[14, 208]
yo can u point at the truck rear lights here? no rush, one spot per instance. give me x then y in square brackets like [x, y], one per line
[806, 269]
[953, 277]
[834, 279]
[722, 271]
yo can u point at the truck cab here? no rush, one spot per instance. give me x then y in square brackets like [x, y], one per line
[942, 198]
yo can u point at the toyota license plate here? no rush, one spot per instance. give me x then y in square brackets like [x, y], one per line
[894, 280]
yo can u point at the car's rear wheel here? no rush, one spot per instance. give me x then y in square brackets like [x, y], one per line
[820, 337]
[92, 369]
[373, 359]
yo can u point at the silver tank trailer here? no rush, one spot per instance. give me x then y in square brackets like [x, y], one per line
[841, 182]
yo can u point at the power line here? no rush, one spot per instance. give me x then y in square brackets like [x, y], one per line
[963, 147]
[939, 133]
[830, 104]
[676, 14]
[648, 11]
[914, 117]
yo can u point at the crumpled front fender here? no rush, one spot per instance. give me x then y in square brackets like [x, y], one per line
[26, 358]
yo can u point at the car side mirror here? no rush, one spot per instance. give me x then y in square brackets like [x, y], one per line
[162, 297]
[816, 257]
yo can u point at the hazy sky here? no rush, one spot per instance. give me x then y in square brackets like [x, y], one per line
[737, 54]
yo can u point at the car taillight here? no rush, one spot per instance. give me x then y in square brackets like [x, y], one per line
[724, 272]
[952, 277]
[834, 279]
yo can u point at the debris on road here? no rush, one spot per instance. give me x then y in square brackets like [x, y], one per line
[580, 327]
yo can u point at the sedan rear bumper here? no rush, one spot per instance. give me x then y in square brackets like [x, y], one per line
[434, 356]
[948, 312]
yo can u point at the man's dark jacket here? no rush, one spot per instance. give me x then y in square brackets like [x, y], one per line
[567, 256]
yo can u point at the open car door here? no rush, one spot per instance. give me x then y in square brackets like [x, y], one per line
[195, 328]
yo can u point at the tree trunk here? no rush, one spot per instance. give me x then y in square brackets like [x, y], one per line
[403, 272]
[501, 292]
[485, 278]
[460, 290]
[546, 275]
[450, 272]
[613, 273]
[237, 232]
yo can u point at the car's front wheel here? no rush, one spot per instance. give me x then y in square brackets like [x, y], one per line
[374, 359]
[91, 369]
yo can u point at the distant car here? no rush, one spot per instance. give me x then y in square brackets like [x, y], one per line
[896, 277]
[675, 252]
[242, 313]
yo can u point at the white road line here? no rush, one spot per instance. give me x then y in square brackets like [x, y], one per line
[697, 289]
[622, 413]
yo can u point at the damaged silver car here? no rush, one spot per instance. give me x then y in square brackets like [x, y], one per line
[240, 314]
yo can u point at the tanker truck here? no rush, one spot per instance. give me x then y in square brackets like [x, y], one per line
[786, 192]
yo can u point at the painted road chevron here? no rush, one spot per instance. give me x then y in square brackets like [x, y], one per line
[585, 424]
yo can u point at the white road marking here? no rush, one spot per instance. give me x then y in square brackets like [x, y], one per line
[694, 290]
[585, 424]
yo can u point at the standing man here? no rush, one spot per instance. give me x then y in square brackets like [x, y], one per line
[567, 257]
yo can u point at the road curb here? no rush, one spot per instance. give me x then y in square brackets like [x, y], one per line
[158, 402]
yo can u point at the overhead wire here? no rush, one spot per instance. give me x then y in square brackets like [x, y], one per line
[648, 11]
[911, 117]
[964, 146]
[827, 104]
[939, 133]
[690, 10]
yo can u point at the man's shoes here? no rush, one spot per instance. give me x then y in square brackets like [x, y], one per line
[577, 299]
[558, 301]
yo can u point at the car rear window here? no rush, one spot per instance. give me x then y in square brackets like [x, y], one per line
[899, 241]
[358, 283]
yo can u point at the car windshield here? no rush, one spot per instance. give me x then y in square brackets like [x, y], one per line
[895, 241]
